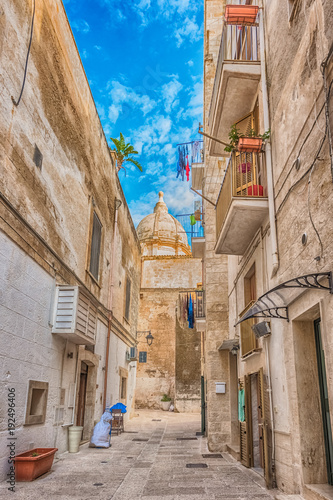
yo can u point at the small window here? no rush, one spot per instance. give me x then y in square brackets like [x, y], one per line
[123, 392]
[37, 401]
[128, 299]
[143, 357]
[95, 246]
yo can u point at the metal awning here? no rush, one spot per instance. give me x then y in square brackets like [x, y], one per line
[274, 303]
[227, 345]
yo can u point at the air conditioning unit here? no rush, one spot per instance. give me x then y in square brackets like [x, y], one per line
[75, 316]
[133, 353]
[261, 329]
[128, 356]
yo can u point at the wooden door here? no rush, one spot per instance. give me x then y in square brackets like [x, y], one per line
[82, 398]
[246, 445]
[263, 408]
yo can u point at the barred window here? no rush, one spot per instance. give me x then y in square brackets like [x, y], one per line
[95, 246]
[128, 298]
[143, 357]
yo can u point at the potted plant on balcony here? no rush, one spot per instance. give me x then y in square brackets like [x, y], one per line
[251, 143]
[166, 402]
[241, 14]
[33, 463]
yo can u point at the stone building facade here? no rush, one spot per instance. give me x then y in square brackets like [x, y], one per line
[171, 365]
[70, 257]
[273, 226]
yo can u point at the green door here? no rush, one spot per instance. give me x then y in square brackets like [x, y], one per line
[203, 406]
[324, 402]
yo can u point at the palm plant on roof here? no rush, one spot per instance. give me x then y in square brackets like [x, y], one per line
[124, 153]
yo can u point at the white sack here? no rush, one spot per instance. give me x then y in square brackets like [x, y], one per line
[101, 432]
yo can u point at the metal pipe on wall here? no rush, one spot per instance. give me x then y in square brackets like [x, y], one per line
[268, 151]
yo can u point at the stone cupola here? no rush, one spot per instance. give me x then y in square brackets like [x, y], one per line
[161, 234]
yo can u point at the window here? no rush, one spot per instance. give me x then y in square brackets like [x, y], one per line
[128, 299]
[123, 388]
[143, 357]
[95, 246]
[248, 339]
[123, 376]
[36, 404]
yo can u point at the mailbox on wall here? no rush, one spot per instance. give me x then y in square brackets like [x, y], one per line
[220, 387]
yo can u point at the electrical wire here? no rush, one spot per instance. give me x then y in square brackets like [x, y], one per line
[16, 103]
[327, 110]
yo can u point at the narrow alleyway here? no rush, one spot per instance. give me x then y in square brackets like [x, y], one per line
[148, 461]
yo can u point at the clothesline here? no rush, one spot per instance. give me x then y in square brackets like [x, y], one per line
[191, 142]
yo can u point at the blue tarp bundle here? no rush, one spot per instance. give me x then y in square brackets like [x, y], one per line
[119, 406]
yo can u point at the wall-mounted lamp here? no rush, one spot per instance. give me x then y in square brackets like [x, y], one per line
[70, 355]
[234, 349]
[149, 337]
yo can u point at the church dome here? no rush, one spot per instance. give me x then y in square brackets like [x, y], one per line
[161, 234]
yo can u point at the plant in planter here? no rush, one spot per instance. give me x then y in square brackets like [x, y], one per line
[166, 402]
[252, 143]
[33, 463]
[241, 14]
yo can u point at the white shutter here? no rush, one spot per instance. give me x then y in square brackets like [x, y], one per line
[75, 316]
[65, 309]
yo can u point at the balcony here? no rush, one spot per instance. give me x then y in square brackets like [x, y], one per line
[236, 82]
[195, 233]
[197, 175]
[242, 203]
[199, 311]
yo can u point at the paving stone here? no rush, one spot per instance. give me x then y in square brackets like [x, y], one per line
[147, 470]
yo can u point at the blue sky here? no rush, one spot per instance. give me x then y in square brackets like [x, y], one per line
[144, 63]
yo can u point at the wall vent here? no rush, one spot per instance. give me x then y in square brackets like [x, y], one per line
[38, 157]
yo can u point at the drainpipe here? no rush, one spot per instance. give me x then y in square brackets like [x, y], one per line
[110, 297]
[269, 389]
[268, 151]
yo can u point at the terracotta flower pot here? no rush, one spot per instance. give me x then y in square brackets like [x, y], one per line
[255, 190]
[241, 14]
[28, 467]
[249, 144]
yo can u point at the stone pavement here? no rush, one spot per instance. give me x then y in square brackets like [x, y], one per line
[146, 462]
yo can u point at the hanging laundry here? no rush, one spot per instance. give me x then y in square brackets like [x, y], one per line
[190, 313]
[187, 166]
[196, 152]
[192, 220]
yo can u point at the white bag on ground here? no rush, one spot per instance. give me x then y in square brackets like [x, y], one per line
[101, 432]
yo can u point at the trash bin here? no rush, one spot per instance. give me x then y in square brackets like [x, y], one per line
[74, 438]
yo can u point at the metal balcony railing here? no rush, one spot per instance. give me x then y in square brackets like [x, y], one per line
[192, 231]
[238, 44]
[199, 310]
[245, 178]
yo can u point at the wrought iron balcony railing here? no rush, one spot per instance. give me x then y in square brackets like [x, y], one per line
[200, 304]
[238, 44]
[245, 178]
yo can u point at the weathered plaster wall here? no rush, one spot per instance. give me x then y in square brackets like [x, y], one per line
[47, 215]
[168, 369]
[215, 266]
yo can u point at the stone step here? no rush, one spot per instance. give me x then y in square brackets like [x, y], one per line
[234, 451]
[283, 496]
[318, 492]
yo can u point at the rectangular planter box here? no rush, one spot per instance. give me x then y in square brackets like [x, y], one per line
[28, 468]
[249, 144]
[241, 14]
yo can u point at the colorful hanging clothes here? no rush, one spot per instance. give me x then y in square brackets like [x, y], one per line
[241, 405]
[187, 166]
[190, 313]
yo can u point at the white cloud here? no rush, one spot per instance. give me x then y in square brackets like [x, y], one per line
[195, 105]
[81, 26]
[101, 111]
[84, 54]
[97, 47]
[188, 30]
[190, 63]
[153, 134]
[122, 95]
[170, 92]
